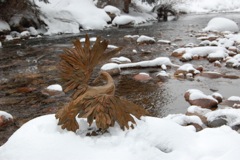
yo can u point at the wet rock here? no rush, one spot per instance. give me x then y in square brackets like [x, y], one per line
[162, 76]
[218, 97]
[217, 64]
[196, 126]
[212, 75]
[198, 98]
[233, 101]
[142, 77]
[236, 127]
[217, 122]
[111, 68]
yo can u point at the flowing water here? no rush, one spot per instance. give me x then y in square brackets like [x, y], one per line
[29, 66]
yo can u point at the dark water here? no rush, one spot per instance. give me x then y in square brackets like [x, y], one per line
[28, 66]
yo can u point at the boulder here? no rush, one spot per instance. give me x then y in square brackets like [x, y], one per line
[217, 122]
[198, 98]
[142, 77]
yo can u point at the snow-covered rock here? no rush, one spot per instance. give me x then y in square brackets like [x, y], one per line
[55, 87]
[221, 24]
[234, 62]
[157, 62]
[4, 26]
[211, 52]
[33, 31]
[198, 98]
[5, 119]
[111, 68]
[123, 20]
[146, 39]
[25, 34]
[185, 69]
[112, 10]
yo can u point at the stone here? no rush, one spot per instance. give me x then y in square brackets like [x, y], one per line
[142, 77]
[217, 122]
[112, 68]
[198, 98]
[52, 93]
[5, 119]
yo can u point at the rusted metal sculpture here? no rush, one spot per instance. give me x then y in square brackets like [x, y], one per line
[95, 103]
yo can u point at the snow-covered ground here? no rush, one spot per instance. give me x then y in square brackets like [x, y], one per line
[68, 16]
[152, 139]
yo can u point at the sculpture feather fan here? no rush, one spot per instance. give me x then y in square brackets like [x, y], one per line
[95, 103]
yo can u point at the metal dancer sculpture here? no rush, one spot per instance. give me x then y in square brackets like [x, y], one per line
[95, 103]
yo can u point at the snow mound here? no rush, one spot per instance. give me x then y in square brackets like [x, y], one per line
[221, 24]
[55, 87]
[112, 10]
[4, 26]
[152, 139]
[123, 20]
[211, 52]
[69, 16]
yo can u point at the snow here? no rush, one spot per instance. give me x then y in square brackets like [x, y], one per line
[33, 31]
[234, 98]
[197, 94]
[232, 115]
[206, 6]
[152, 139]
[144, 38]
[123, 20]
[163, 74]
[5, 115]
[110, 66]
[183, 119]
[55, 87]
[188, 68]
[121, 59]
[221, 24]
[67, 16]
[112, 9]
[4, 26]
[198, 110]
[164, 41]
[150, 63]
[206, 51]
[235, 60]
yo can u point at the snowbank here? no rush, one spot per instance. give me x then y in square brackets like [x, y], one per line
[207, 6]
[152, 139]
[221, 24]
[67, 16]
